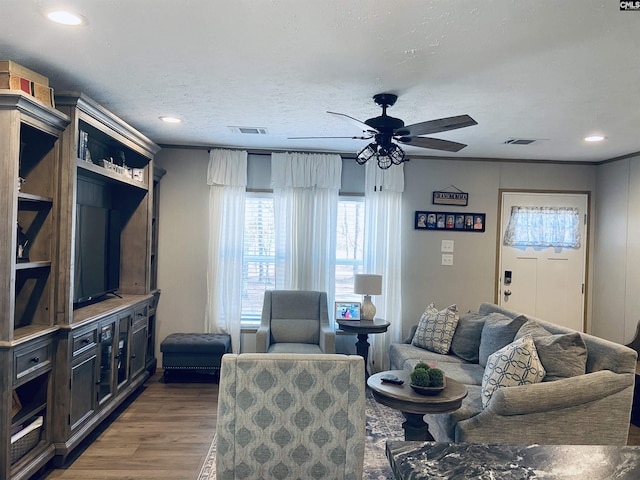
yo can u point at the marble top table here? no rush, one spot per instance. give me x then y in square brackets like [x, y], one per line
[431, 460]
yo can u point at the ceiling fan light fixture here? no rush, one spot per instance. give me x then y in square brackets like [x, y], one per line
[397, 155]
[386, 155]
[366, 153]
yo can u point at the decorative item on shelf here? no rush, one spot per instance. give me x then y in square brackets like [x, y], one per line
[427, 380]
[20, 182]
[22, 253]
[16, 406]
[83, 146]
[367, 285]
[138, 174]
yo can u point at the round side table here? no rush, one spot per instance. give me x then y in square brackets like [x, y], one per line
[414, 406]
[363, 328]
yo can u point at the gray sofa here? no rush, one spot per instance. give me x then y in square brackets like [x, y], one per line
[593, 407]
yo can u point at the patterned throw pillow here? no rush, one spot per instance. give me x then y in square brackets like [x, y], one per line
[436, 328]
[513, 365]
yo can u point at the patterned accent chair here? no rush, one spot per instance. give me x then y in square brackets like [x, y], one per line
[295, 321]
[291, 416]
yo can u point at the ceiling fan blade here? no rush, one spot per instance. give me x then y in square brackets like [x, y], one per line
[436, 126]
[360, 124]
[308, 138]
[433, 143]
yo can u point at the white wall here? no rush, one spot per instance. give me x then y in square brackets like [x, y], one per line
[182, 242]
[470, 281]
[617, 278]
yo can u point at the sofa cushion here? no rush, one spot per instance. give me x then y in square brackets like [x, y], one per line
[466, 373]
[512, 365]
[403, 356]
[436, 328]
[497, 331]
[562, 355]
[466, 339]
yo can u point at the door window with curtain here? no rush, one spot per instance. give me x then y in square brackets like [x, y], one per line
[543, 227]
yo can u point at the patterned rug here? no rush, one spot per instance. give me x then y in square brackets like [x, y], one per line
[383, 423]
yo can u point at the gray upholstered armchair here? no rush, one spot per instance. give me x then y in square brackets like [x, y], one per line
[290, 416]
[295, 321]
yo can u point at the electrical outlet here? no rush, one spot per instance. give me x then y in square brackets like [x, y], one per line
[447, 259]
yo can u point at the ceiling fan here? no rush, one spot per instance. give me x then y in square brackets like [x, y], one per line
[385, 130]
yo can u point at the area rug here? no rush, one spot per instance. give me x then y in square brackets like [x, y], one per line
[383, 423]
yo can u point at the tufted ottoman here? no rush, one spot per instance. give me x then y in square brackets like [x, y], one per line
[194, 352]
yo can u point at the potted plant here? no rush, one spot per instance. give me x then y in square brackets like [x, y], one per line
[427, 380]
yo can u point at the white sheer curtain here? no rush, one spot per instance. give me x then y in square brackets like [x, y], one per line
[305, 191]
[383, 254]
[543, 227]
[227, 177]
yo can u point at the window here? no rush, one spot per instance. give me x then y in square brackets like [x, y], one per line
[349, 246]
[259, 257]
[258, 265]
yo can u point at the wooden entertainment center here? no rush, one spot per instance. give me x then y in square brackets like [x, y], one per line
[66, 365]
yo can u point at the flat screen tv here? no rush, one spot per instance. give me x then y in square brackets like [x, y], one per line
[97, 253]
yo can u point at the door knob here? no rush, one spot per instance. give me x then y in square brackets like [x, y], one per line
[507, 293]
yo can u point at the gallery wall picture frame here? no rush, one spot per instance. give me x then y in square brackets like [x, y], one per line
[450, 221]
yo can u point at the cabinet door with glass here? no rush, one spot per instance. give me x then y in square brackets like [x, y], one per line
[107, 356]
[125, 320]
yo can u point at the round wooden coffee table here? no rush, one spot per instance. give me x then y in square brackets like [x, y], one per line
[414, 406]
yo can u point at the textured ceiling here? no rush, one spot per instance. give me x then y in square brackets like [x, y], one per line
[546, 70]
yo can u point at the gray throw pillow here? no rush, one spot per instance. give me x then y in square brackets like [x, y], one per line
[533, 328]
[466, 339]
[498, 331]
[562, 355]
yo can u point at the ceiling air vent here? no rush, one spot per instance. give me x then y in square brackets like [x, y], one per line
[250, 130]
[520, 141]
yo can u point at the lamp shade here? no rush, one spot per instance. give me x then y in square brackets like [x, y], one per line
[366, 284]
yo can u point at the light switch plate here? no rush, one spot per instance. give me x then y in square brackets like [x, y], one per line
[447, 259]
[447, 246]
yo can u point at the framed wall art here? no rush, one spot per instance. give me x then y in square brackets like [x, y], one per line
[456, 221]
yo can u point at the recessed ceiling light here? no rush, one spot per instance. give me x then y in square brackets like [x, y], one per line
[66, 18]
[169, 119]
[594, 138]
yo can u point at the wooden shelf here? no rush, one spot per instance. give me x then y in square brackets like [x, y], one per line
[109, 175]
[28, 411]
[33, 265]
[27, 198]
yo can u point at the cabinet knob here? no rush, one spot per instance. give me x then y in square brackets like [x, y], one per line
[133, 356]
[35, 359]
[85, 341]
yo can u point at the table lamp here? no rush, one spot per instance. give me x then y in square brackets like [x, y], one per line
[367, 285]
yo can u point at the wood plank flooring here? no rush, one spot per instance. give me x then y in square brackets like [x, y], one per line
[164, 433]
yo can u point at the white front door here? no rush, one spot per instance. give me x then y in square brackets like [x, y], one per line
[545, 282]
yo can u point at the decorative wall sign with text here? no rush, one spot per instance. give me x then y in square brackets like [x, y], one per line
[458, 198]
[468, 222]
